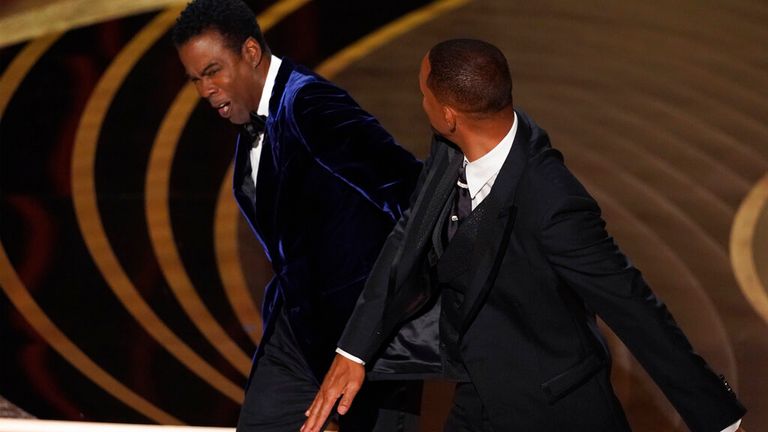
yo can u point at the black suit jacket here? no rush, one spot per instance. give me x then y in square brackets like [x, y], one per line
[331, 185]
[535, 265]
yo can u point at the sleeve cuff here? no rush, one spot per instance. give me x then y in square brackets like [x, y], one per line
[343, 353]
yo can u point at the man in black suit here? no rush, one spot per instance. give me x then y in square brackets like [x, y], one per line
[494, 276]
[321, 184]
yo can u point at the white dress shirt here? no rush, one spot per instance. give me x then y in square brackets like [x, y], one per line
[482, 172]
[263, 109]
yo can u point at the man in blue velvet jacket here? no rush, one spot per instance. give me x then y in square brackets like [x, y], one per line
[320, 182]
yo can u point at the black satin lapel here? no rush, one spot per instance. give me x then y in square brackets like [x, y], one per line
[242, 180]
[267, 202]
[494, 232]
[426, 209]
[435, 195]
[242, 167]
[439, 230]
[245, 189]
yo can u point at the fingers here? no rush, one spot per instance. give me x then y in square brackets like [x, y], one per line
[344, 380]
[323, 404]
[318, 413]
[347, 397]
[312, 408]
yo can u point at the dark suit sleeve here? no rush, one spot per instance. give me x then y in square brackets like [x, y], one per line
[364, 333]
[351, 144]
[574, 240]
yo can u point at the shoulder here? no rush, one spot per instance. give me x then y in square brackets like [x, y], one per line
[314, 97]
[547, 171]
[307, 88]
[549, 186]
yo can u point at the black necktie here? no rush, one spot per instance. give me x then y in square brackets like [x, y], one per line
[462, 205]
[255, 127]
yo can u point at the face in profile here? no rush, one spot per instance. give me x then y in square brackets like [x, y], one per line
[227, 79]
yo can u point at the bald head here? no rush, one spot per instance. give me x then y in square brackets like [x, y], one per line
[470, 75]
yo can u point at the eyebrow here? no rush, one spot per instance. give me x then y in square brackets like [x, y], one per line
[205, 70]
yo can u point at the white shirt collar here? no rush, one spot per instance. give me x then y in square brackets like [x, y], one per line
[482, 170]
[269, 84]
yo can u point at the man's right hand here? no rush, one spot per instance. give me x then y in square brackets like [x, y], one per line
[343, 380]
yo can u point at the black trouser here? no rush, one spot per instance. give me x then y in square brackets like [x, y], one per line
[282, 388]
[467, 413]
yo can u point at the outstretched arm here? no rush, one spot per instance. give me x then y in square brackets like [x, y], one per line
[574, 240]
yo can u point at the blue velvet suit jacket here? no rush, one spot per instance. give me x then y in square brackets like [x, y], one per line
[331, 185]
[532, 264]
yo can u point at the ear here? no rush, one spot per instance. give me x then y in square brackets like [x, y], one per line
[252, 51]
[449, 115]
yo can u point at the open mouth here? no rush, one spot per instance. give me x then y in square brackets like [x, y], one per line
[224, 109]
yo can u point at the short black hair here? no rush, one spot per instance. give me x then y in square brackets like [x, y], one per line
[232, 19]
[471, 75]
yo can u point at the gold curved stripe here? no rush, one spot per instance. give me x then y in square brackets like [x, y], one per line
[20, 66]
[14, 288]
[36, 317]
[89, 219]
[160, 232]
[158, 218]
[23, 20]
[366, 45]
[742, 247]
[228, 260]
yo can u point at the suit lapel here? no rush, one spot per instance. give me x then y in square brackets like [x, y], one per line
[274, 122]
[493, 227]
[245, 189]
[259, 201]
[426, 210]
[270, 165]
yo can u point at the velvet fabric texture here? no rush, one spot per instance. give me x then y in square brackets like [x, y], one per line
[331, 185]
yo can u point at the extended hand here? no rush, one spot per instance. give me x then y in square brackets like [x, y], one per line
[343, 380]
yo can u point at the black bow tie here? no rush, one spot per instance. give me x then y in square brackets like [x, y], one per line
[256, 125]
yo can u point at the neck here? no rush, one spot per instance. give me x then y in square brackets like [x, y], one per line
[478, 136]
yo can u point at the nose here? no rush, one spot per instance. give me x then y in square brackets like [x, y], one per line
[205, 88]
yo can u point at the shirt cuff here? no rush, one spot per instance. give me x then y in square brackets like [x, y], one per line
[733, 428]
[358, 361]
